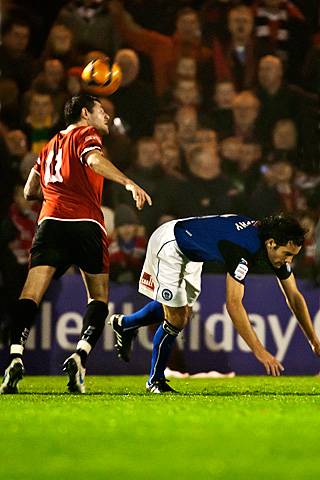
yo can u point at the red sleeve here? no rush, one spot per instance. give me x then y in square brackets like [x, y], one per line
[89, 139]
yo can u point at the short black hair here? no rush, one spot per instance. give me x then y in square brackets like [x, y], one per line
[283, 229]
[14, 20]
[74, 106]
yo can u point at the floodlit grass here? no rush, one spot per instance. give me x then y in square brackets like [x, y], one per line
[240, 428]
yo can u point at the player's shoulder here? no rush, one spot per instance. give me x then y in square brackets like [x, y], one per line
[86, 131]
[91, 134]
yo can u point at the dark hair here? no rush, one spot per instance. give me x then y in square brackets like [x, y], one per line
[283, 229]
[13, 21]
[74, 106]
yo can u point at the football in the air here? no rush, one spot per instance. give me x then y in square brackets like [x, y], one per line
[99, 73]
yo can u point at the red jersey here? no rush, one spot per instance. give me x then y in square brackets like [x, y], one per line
[71, 189]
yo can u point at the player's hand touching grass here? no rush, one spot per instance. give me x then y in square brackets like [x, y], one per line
[139, 195]
[271, 364]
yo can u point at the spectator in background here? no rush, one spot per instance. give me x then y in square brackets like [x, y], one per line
[280, 30]
[218, 115]
[305, 264]
[16, 62]
[184, 92]
[15, 240]
[187, 125]
[245, 110]
[284, 142]
[242, 167]
[280, 100]
[146, 169]
[165, 129]
[42, 121]
[73, 81]
[17, 147]
[171, 160]
[60, 45]
[91, 25]
[211, 190]
[7, 180]
[127, 247]
[134, 101]
[276, 192]
[214, 19]
[186, 68]
[23, 214]
[164, 51]
[236, 58]
[229, 149]
[276, 99]
[206, 137]
[52, 78]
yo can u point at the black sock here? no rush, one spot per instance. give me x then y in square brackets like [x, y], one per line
[94, 322]
[24, 313]
[15, 355]
[83, 356]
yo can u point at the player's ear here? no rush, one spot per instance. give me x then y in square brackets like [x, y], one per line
[84, 113]
[270, 243]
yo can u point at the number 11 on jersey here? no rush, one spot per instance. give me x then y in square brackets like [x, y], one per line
[53, 166]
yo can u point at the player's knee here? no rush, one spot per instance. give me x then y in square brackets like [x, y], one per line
[98, 311]
[179, 317]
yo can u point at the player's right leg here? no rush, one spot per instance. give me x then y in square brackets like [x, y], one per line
[126, 327]
[93, 325]
[24, 314]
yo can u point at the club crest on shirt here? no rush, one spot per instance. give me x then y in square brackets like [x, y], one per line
[241, 270]
[146, 280]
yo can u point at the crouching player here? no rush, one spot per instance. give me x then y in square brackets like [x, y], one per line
[171, 277]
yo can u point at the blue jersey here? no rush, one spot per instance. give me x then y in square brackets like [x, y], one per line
[230, 239]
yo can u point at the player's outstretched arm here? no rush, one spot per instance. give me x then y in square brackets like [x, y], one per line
[298, 305]
[32, 188]
[239, 317]
[101, 165]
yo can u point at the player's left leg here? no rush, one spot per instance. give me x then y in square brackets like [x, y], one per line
[175, 320]
[24, 314]
[93, 325]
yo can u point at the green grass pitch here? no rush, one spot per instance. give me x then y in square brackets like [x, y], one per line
[240, 428]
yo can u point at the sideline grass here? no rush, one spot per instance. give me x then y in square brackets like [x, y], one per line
[240, 428]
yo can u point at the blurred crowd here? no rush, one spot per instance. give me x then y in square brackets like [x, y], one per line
[217, 113]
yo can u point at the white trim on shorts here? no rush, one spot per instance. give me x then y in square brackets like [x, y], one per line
[168, 276]
[74, 220]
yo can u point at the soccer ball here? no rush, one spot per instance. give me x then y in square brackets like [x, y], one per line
[99, 73]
